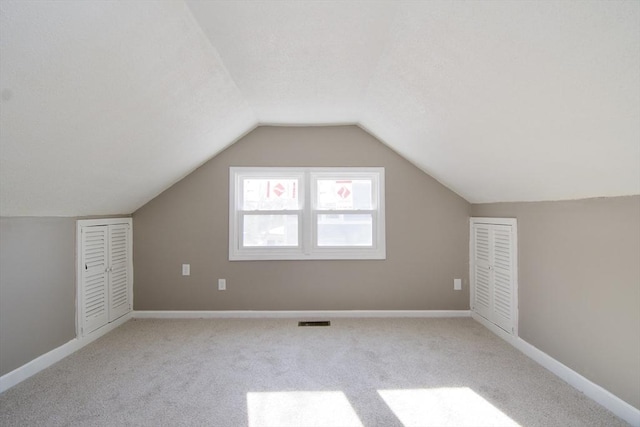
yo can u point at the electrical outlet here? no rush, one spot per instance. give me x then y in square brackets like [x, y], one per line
[222, 284]
[186, 269]
[457, 284]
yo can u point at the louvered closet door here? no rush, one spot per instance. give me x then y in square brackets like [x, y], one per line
[94, 278]
[494, 267]
[482, 302]
[119, 298]
[502, 277]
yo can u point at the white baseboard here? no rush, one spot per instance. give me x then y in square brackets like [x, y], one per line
[303, 314]
[604, 397]
[29, 369]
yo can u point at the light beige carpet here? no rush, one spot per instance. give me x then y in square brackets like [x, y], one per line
[356, 372]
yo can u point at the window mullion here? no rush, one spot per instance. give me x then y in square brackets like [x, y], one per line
[307, 217]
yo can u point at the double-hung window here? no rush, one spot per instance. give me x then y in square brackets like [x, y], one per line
[278, 213]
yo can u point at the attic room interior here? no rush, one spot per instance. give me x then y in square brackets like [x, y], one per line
[319, 213]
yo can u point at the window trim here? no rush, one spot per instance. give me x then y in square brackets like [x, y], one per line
[307, 248]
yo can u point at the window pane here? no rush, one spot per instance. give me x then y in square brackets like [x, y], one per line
[270, 230]
[344, 194]
[270, 194]
[345, 230]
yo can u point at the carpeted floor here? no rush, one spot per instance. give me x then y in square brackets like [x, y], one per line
[249, 372]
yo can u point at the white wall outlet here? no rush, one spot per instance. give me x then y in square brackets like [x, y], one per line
[222, 284]
[186, 269]
[457, 284]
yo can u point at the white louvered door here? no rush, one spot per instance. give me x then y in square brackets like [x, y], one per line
[481, 271]
[105, 267]
[494, 271]
[119, 256]
[501, 277]
[94, 263]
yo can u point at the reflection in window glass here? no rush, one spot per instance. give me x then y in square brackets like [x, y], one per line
[345, 230]
[270, 230]
[270, 194]
[344, 194]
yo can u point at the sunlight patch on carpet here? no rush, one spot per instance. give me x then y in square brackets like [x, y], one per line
[301, 408]
[455, 406]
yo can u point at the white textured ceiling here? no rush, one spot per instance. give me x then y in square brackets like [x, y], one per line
[106, 104]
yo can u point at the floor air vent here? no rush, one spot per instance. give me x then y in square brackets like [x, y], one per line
[316, 323]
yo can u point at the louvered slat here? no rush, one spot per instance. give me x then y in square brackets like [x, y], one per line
[482, 288]
[482, 244]
[502, 248]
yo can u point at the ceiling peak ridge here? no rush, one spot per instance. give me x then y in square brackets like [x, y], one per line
[214, 50]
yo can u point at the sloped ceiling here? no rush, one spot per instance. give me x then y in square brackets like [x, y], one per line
[106, 104]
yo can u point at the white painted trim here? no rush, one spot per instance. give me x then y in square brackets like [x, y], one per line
[104, 221]
[266, 314]
[495, 221]
[492, 327]
[29, 369]
[592, 390]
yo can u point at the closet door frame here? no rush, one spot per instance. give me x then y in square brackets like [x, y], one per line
[513, 223]
[80, 224]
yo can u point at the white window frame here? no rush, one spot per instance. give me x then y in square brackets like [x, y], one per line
[307, 248]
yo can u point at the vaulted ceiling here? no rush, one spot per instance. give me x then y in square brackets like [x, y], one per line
[106, 104]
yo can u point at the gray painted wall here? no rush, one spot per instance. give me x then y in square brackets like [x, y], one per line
[37, 287]
[579, 285]
[427, 236]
